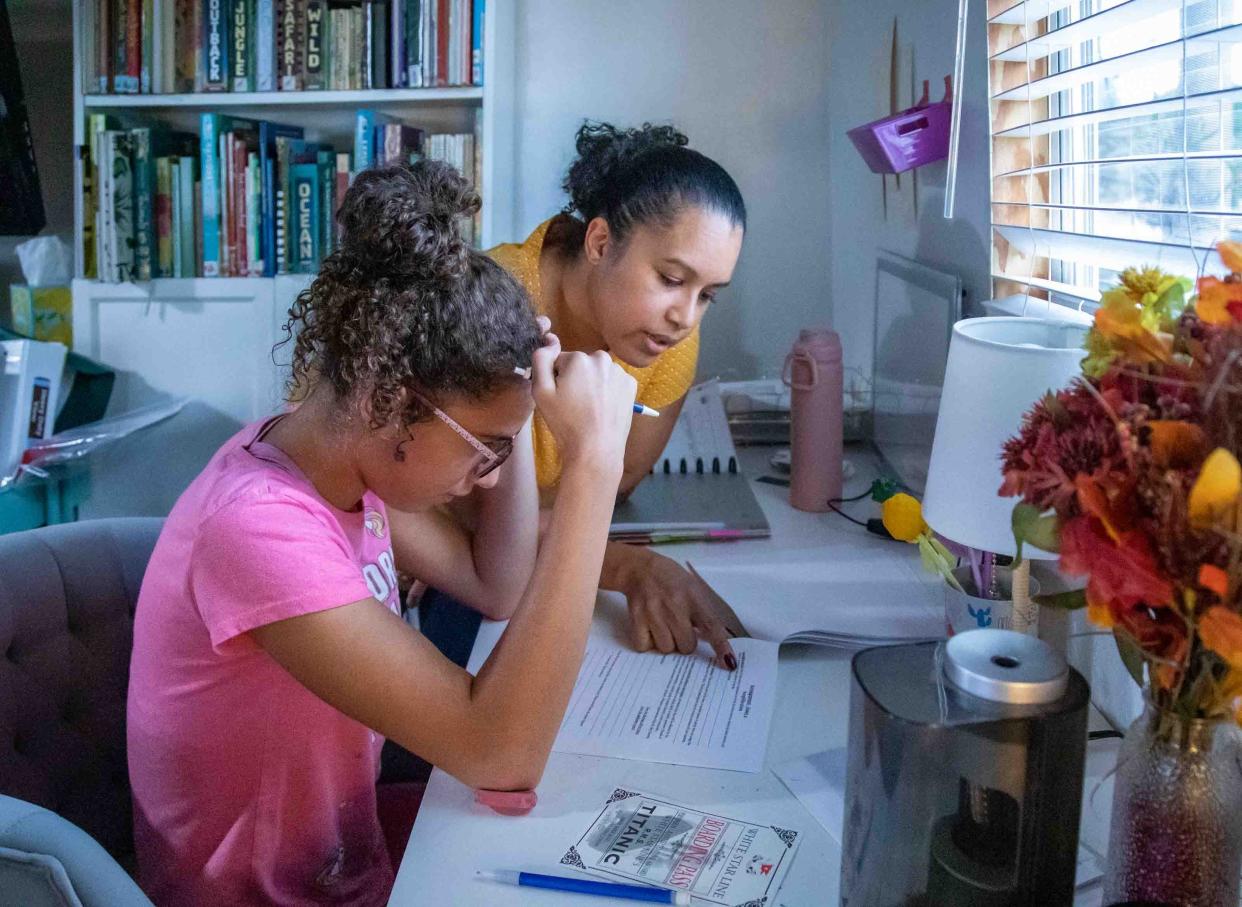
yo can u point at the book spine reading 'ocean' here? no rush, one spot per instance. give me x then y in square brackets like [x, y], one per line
[305, 207]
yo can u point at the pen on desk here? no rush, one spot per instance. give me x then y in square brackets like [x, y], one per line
[585, 886]
[639, 409]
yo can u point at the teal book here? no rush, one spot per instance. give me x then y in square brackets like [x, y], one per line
[213, 125]
[327, 189]
[366, 154]
[305, 185]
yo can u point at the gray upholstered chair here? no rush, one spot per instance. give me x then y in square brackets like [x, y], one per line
[67, 597]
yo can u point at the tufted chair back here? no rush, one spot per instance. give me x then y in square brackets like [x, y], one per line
[67, 597]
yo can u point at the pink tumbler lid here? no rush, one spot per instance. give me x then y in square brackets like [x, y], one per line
[825, 342]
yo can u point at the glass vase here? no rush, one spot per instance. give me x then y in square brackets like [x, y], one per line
[1176, 834]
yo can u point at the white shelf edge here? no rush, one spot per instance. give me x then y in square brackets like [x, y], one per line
[366, 97]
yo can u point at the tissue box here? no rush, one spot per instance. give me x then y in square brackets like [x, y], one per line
[43, 313]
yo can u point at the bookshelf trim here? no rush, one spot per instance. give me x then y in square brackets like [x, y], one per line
[373, 97]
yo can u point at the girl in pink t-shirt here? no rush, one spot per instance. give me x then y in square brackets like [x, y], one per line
[269, 659]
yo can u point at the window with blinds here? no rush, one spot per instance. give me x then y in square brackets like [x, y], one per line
[1116, 140]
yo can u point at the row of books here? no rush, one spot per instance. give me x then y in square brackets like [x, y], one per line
[182, 46]
[242, 198]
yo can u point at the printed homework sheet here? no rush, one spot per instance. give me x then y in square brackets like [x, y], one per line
[716, 859]
[679, 709]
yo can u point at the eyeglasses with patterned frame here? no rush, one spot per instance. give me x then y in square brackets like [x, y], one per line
[493, 457]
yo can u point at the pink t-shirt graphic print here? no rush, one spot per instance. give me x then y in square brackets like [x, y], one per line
[248, 788]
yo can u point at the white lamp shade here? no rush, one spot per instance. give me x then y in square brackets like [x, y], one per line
[997, 369]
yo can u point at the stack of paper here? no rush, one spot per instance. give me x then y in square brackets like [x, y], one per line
[678, 709]
[845, 598]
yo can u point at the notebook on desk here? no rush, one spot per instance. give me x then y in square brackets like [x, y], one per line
[695, 491]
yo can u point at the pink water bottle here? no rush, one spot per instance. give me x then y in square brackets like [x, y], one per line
[814, 373]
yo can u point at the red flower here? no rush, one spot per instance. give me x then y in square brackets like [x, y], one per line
[1062, 437]
[1121, 574]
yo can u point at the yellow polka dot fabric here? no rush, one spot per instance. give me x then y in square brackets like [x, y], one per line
[663, 382]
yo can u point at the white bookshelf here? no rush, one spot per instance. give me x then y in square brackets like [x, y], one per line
[167, 311]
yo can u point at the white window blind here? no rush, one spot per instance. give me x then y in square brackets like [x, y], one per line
[1116, 140]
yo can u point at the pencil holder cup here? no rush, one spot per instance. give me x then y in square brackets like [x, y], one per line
[969, 611]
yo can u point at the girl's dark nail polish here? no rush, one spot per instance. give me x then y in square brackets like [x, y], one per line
[730, 662]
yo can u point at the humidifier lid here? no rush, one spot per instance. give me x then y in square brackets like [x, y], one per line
[1004, 666]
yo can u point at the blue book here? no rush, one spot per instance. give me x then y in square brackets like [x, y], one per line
[304, 179]
[367, 153]
[265, 45]
[476, 43]
[364, 139]
[213, 125]
[268, 133]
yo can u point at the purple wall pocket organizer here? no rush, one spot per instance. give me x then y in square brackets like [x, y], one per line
[908, 139]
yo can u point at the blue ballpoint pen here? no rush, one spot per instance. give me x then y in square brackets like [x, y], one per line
[586, 886]
[639, 409]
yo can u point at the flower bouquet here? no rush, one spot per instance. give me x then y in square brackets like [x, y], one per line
[1131, 474]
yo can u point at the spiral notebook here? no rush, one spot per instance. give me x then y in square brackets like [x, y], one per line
[695, 491]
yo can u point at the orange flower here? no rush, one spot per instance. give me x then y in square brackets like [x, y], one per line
[1231, 254]
[1100, 614]
[1219, 302]
[1176, 444]
[1221, 631]
[1214, 495]
[1120, 321]
[1214, 579]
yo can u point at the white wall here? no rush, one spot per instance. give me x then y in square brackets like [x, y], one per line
[860, 52]
[749, 84]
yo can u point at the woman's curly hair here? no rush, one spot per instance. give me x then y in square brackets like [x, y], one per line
[644, 175]
[405, 304]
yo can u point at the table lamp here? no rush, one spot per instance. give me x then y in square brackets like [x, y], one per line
[997, 369]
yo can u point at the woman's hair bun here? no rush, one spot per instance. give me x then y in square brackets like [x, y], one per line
[604, 151]
[404, 221]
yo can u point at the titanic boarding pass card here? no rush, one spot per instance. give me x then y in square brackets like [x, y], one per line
[716, 859]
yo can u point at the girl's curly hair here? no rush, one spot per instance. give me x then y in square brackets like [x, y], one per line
[404, 303]
[644, 175]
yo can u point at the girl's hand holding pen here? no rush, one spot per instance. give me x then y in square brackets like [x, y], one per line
[586, 401]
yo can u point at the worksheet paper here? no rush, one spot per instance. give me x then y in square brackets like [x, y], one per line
[716, 859]
[679, 709]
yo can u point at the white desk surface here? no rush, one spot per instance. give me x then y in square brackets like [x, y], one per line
[453, 837]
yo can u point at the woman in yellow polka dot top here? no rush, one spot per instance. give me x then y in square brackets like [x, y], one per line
[651, 233]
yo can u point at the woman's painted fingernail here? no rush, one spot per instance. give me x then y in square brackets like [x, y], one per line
[730, 662]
